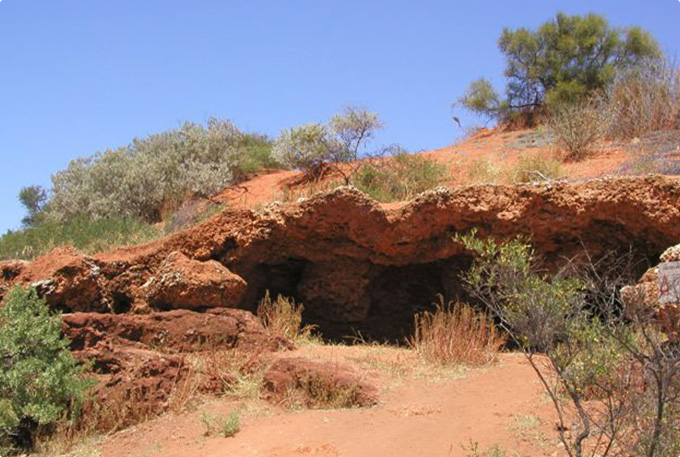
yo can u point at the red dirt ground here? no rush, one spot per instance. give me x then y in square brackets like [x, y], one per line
[423, 411]
[500, 148]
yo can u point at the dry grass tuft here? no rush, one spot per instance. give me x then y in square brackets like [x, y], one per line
[317, 392]
[532, 167]
[456, 334]
[283, 317]
[482, 171]
[578, 128]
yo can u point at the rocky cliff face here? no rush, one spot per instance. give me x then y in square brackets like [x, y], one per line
[355, 264]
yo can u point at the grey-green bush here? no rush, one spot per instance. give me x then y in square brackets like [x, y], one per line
[41, 383]
[156, 173]
[341, 141]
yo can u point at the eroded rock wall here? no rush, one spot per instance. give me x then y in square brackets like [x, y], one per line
[354, 263]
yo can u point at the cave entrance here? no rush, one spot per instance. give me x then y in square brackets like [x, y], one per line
[348, 301]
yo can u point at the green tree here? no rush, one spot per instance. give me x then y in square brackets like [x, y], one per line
[563, 60]
[41, 383]
[33, 198]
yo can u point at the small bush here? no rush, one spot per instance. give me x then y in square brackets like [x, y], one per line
[535, 167]
[41, 384]
[223, 426]
[314, 148]
[577, 127]
[400, 178]
[611, 375]
[482, 171]
[86, 235]
[456, 334]
[283, 317]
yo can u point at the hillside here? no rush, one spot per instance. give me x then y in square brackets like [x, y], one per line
[170, 325]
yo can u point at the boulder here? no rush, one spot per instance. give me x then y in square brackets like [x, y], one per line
[183, 283]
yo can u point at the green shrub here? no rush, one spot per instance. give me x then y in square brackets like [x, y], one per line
[255, 157]
[41, 384]
[562, 61]
[399, 178]
[609, 371]
[86, 235]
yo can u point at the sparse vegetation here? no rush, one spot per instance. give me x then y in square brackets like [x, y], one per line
[224, 426]
[283, 317]
[400, 178]
[608, 371]
[482, 171]
[318, 392]
[456, 334]
[531, 167]
[643, 99]
[41, 384]
[85, 234]
[190, 213]
[577, 127]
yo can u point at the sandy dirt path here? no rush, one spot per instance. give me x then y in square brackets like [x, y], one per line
[421, 415]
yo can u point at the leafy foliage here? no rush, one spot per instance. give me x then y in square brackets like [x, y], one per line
[33, 198]
[157, 173]
[562, 61]
[610, 373]
[40, 381]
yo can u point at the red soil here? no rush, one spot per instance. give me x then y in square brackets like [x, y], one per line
[500, 148]
[424, 413]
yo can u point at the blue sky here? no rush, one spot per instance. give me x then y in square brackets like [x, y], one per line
[77, 76]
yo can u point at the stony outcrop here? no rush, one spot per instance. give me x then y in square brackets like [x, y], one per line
[141, 361]
[646, 293]
[183, 283]
[178, 331]
[358, 265]
[316, 384]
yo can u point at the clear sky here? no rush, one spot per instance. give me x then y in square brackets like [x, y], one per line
[77, 76]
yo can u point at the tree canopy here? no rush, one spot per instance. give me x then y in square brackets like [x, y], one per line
[562, 61]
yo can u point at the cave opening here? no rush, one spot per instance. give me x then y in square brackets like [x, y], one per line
[358, 300]
[361, 301]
